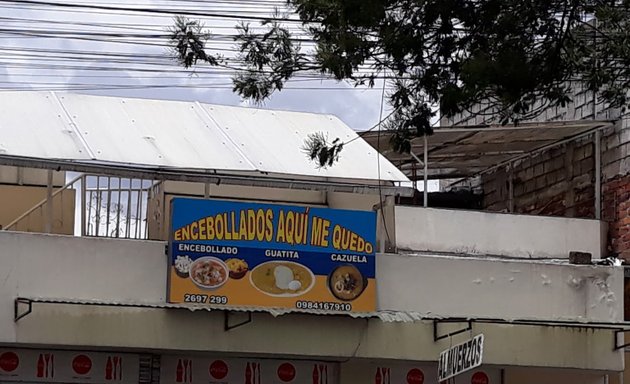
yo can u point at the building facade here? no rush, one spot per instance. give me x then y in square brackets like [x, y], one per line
[96, 306]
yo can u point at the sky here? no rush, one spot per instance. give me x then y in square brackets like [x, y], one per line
[46, 46]
[50, 47]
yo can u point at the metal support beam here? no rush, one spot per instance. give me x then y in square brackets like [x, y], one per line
[417, 159]
[426, 172]
[414, 176]
[20, 176]
[257, 180]
[414, 170]
[18, 304]
[226, 321]
[621, 332]
[49, 203]
[206, 191]
[510, 188]
[84, 204]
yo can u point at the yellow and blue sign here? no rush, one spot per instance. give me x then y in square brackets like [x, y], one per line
[278, 256]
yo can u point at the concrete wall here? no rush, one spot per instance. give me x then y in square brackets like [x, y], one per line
[159, 201]
[19, 199]
[444, 286]
[23, 188]
[29, 176]
[121, 270]
[312, 337]
[485, 233]
[35, 265]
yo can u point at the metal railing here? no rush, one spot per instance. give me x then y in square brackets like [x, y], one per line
[104, 206]
[115, 207]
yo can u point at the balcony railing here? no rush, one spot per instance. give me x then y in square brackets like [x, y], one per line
[100, 206]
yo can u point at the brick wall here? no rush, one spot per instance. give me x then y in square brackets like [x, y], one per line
[616, 211]
[560, 181]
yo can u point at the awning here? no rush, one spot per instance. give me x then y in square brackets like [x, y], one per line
[455, 152]
[24, 306]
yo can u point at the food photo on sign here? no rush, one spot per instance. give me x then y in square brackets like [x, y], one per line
[234, 253]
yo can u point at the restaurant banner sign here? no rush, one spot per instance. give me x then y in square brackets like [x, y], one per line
[460, 358]
[278, 256]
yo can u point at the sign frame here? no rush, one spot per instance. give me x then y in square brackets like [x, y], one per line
[327, 244]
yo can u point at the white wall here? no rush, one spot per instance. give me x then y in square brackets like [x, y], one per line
[129, 270]
[35, 265]
[29, 176]
[449, 286]
[484, 233]
[159, 204]
[307, 336]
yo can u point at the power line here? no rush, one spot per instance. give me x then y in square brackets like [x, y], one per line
[151, 11]
[68, 33]
[30, 86]
[126, 26]
[38, 60]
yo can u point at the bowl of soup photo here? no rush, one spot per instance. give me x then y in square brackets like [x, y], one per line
[346, 282]
[208, 272]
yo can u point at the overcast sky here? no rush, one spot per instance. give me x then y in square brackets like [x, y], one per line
[45, 47]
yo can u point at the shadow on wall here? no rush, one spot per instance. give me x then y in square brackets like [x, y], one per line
[460, 199]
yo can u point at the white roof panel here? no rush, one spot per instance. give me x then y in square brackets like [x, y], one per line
[179, 135]
[151, 132]
[33, 125]
[273, 141]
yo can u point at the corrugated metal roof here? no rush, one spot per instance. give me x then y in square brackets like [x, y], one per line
[178, 135]
[33, 125]
[151, 132]
[267, 150]
[192, 307]
[464, 151]
[385, 316]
